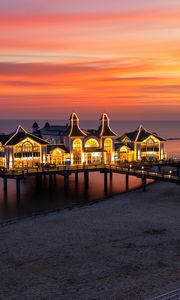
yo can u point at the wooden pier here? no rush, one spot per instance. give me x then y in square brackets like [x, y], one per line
[140, 171]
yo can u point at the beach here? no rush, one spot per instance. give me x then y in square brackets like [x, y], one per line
[126, 247]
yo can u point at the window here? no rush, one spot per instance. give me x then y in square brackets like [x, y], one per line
[108, 145]
[57, 157]
[77, 144]
[27, 150]
[27, 147]
[92, 143]
[77, 151]
[108, 149]
[150, 141]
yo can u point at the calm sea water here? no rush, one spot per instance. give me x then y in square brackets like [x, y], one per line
[34, 201]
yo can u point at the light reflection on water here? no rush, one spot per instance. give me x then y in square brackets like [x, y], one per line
[172, 147]
[34, 200]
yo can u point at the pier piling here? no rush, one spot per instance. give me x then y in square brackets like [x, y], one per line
[105, 181]
[54, 178]
[66, 181]
[38, 182]
[5, 184]
[86, 179]
[76, 179]
[50, 182]
[127, 182]
[18, 188]
[144, 181]
[111, 175]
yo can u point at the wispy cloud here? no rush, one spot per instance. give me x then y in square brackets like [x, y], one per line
[58, 55]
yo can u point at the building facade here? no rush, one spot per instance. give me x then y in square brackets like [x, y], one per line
[139, 145]
[70, 144]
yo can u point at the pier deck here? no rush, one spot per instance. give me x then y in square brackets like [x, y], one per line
[140, 171]
[63, 170]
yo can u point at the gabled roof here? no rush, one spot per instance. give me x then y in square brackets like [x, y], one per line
[53, 147]
[139, 135]
[5, 137]
[104, 129]
[21, 134]
[74, 131]
[117, 146]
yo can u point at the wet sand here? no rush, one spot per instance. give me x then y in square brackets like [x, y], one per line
[127, 247]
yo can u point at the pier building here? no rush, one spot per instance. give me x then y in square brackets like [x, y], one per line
[140, 144]
[71, 145]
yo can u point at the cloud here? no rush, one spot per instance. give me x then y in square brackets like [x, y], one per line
[60, 19]
[21, 83]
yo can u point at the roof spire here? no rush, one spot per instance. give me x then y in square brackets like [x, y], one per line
[35, 127]
[105, 129]
[20, 129]
[74, 126]
[47, 125]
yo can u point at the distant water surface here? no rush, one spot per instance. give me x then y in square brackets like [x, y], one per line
[166, 129]
[35, 201]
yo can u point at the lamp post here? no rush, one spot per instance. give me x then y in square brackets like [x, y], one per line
[170, 173]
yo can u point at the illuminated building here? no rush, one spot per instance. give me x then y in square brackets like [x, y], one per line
[140, 144]
[23, 149]
[69, 144]
[91, 146]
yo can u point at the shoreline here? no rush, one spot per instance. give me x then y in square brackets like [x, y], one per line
[126, 248]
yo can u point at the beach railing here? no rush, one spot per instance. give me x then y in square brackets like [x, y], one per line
[173, 295]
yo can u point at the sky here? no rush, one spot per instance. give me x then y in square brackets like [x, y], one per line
[114, 56]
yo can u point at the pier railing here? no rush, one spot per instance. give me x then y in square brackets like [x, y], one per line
[128, 169]
[35, 170]
[138, 170]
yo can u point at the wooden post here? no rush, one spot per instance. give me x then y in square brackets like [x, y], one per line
[144, 183]
[18, 188]
[86, 179]
[76, 178]
[5, 184]
[111, 175]
[44, 179]
[127, 182]
[55, 179]
[38, 182]
[105, 181]
[66, 181]
[50, 181]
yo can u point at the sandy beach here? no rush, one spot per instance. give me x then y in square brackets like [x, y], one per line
[127, 247]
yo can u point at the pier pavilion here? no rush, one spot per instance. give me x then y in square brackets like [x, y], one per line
[72, 145]
[140, 144]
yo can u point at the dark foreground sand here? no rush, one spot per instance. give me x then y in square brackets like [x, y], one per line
[125, 248]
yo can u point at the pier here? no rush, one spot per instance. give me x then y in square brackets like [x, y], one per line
[140, 171]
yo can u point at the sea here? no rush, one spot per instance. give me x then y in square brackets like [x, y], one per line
[34, 201]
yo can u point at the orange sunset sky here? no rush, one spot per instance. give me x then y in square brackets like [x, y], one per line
[121, 57]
